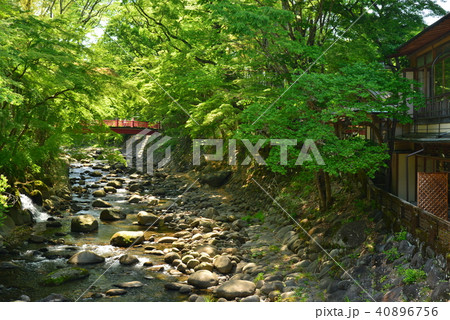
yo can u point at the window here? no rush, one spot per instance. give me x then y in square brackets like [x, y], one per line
[442, 77]
[425, 59]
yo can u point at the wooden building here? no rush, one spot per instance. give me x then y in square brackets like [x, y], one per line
[421, 160]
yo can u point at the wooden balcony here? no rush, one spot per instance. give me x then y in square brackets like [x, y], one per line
[437, 110]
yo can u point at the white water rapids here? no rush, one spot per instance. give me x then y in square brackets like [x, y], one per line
[27, 204]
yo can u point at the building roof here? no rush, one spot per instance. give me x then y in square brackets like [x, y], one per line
[429, 34]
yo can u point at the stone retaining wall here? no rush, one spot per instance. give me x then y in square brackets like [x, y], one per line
[423, 225]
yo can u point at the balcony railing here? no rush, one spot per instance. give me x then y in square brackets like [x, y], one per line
[438, 107]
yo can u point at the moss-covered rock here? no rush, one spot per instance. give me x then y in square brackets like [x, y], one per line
[127, 238]
[61, 276]
[83, 223]
[36, 196]
[42, 187]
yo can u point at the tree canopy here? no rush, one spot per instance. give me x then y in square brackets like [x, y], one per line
[276, 69]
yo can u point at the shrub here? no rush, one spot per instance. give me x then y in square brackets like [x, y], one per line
[412, 275]
[3, 198]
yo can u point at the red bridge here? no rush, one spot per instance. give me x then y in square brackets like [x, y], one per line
[131, 126]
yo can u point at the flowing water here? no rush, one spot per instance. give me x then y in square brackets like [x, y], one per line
[21, 271]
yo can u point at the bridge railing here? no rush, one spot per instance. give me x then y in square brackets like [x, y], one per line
[131, 124]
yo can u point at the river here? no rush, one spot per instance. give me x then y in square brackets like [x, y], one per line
[23, 269]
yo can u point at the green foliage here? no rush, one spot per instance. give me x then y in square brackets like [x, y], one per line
[49, 85]
[3, 198]
[259, 276]
[392, 254]
[204, 69]
[401, 235]
[411, 276]
[256, 217]
[274, 248]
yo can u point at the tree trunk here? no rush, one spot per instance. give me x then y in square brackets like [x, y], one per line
[323, 189]
[329, 197]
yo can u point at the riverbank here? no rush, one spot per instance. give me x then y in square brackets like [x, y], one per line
[208, 237]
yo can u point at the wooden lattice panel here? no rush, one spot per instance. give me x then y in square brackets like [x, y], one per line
[432, 193]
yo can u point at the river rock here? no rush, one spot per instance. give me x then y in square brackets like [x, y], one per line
[441, 292]
[53, 224]
[130, 284]
[128, 260]
[223, 264]
[61, 276]
[135, 199]
[152, 201]
[268, 287]
[95, 174]
[167, 240]
[86, 257]
[146, 218]
[203, 279]
[172, 286]
[109, 189]
[99, 193]
[36, 239]
[115, 184]
[210, 213]
[134, 187]
[54, 297]
[112, 214]
[253, 298]
[191, 264]
[116, 292]
[166, 205]
[171, 257]
[351, 235]
[204, 266]
[235, 289]
[210, 250]
[99, 203]
[127, 238]
[83, 223]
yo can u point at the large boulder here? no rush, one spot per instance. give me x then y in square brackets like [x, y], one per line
[83, 223]
[86, 257]
[223, 264]
[7, 226]
[146, 218]
[20, 217]
[235, 289]
[61, 276]
[203, 279]
[112, 214]
[127, 238]
[99, 203]
[215, 179]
